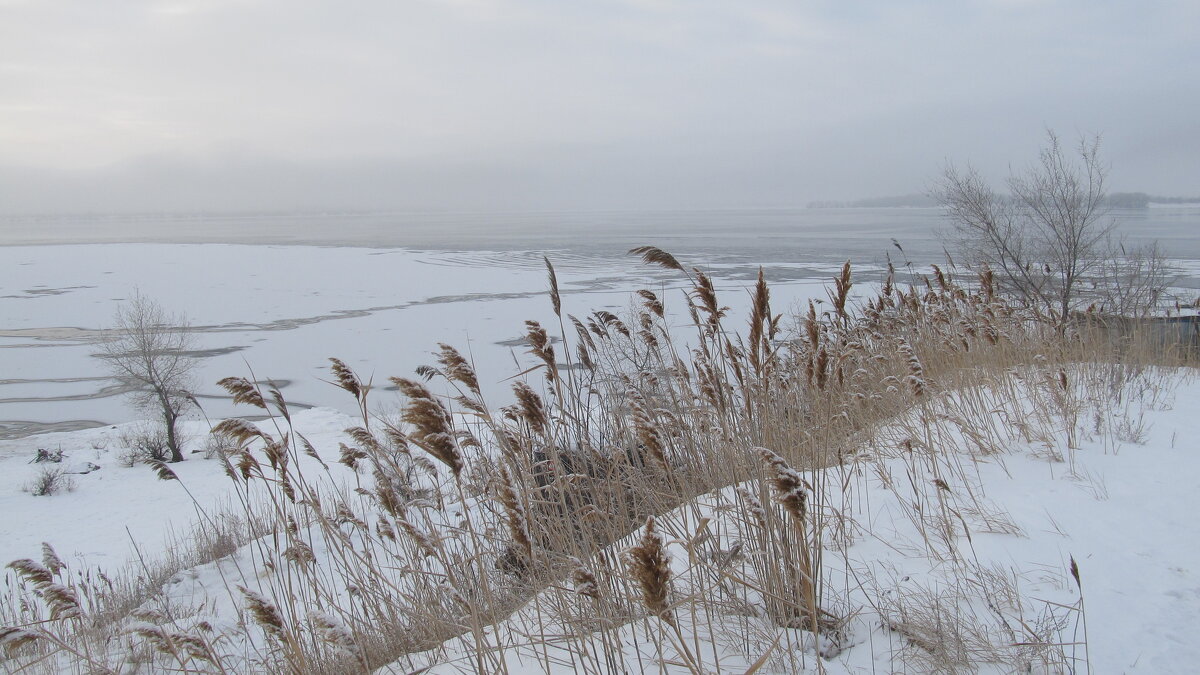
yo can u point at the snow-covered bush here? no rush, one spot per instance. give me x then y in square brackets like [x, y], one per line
[51, 480]
[142, 443]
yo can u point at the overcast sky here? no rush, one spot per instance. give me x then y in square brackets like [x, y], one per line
[563, 104]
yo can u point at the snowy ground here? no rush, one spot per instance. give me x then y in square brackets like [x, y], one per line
[114, 507]
[1122, 505]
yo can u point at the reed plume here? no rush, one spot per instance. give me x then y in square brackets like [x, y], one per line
[652, 255]
[841, 293]
[916, 370]
[243, 391]
[161, 470]
[790, 487]
[585, 581]
[51, 560]
[31, 572]
[515, 517]
[533, 410]
[456, 368]
[61, 600]
[12, 639]
[555, 300]
[760, 324]
[264, 613]
[650, 565]
[346, 379]
[327, 628]
[434, 429]
[652, 302]
[706, 296]
[540, 346]
[238, 429]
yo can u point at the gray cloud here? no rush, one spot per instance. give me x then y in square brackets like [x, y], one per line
[540, 104]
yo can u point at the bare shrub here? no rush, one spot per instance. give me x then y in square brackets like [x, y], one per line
[1132, 428]
[219, 445]
[51, 480]
[1135, 280]
[142, 444]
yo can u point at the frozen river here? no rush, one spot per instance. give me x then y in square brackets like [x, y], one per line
[279, 294]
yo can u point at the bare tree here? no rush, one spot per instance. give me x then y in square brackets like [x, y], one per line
[1045, 238]
[149, 349]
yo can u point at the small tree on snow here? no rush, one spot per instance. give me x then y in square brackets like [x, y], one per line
[149, 348]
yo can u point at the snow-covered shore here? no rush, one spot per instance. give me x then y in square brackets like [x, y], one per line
[1121, 504]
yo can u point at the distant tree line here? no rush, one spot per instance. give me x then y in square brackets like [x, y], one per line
[1127, 200]
[1141, 200]
[1115, 200]
[910, 201]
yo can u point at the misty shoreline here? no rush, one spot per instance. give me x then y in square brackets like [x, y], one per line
[767, 234]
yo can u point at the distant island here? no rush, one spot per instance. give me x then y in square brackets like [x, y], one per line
[1116, 200]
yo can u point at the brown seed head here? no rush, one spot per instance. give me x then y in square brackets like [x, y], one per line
[12, 639]
[650, 565]
[555, 300]
[652, 255]
[31, 571]
[585, 582]
[457, 368]
[243, 391]
[346, 379]
[263, 612]
[789, 485]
